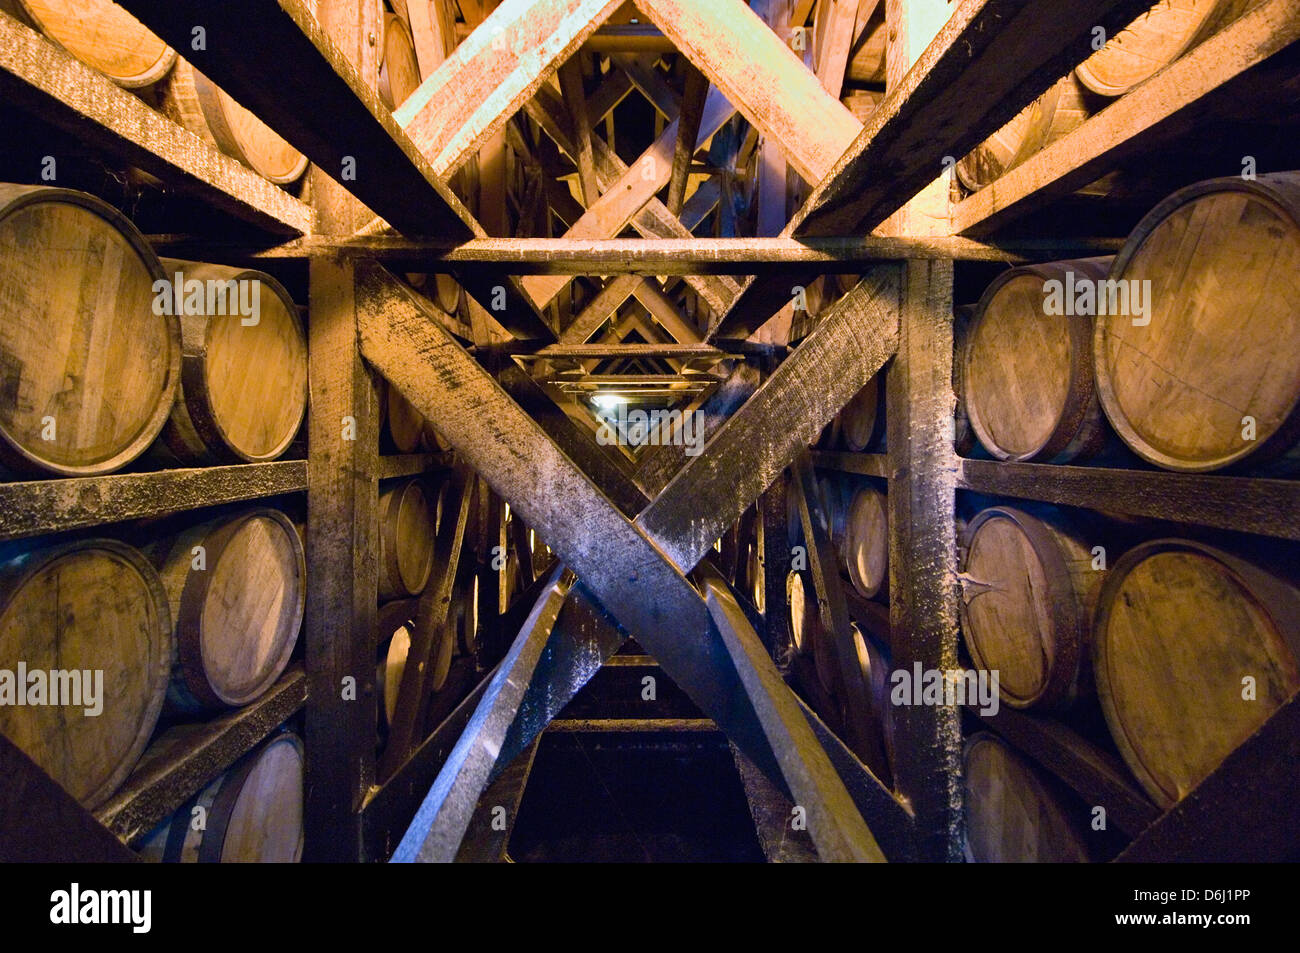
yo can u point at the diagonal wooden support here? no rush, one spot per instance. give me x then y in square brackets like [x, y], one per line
[837, 827]
[833, 612]
[758, 72]
[628, 192]
[989, 61]
[439, 825]
[621, 566]
[600, 309]
[658, 465]
[493, 72]
[307, 89]
[733, 684]
[783, 418]
[623, 198]
[291, 74]
[40, 822]
[431, 618]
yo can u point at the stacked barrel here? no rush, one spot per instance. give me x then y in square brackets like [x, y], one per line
[114, 358]
[1179, 354]
[853, 513]
[1121, 63]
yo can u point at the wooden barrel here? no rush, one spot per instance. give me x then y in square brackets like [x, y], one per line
[866, 542]
[867, 58]
[802, 604]
[237, 588]
[1028, 375]
[833, 494]
[399, 71]
[468, 618]
[252, 813]
[393, 623]
[875, 674]
[1012, 813]
[224, 413]
[860, 419]
[89, 367]
[1028, 589]
[1153, 41]
[405, 424]
[448, 293]
[1053, 115]
[206, 110]
[407, 523]
[1179, 627]
[1217, 354]
[963, 437]
[101, 34]
[88, 607]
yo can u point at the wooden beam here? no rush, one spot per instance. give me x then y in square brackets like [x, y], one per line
[923, 552]
[837, 827]
[39, 507]
[1240, 504]
[783, 258]
[759, 73]
[1244, 812]
[599, 309]
[1173, 103]
[688, 133]
[436, 831]
[988, 62]
[291, 74]
[40, 822]
[1097, 777]
[664, 311]
[837, 41]
[576, 97]
[44, 80]
[783, 418]
[624, 197]
[184, 757]
[652, 221]
[493, 73]
[651, 83]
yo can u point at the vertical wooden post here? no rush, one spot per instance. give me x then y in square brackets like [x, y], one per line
[774, 548]
[922, 485]
[923, 552]
[342, 523]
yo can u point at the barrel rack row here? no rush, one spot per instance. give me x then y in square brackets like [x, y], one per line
[1234, 813]
[349, 816]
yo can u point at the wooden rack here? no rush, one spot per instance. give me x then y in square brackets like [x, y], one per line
[950, 87]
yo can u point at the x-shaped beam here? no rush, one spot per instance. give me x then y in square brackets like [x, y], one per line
[638, 566]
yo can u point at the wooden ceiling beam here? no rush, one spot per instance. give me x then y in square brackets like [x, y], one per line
[986, 64]
[493, 73]
[769, 257]
[290, 74]
[758, 72]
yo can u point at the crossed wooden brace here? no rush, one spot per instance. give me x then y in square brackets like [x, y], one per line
[702, 641]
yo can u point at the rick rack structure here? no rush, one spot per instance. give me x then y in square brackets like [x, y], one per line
[705, 284]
